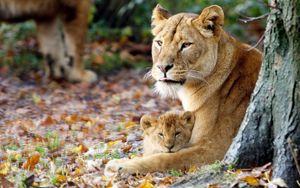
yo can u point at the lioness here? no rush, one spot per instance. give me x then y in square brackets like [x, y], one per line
[168, 133]
[61, 26]
[212, 74]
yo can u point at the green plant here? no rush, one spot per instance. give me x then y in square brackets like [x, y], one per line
[176, 173]
[216, 166]
[13, 147]
[41, 150]
[53, 140]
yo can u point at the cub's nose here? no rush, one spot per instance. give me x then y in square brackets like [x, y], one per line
[165, 68]
[170, 146]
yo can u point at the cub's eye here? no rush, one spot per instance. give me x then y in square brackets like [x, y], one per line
[160, 135]
[159, 42]
[177, 133]
[185, 45]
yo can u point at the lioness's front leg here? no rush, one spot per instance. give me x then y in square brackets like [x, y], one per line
[52, 47]
[75, 22]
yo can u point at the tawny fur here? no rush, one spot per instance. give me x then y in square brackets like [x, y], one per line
[216, 75]
[61, 26]
[168, 133]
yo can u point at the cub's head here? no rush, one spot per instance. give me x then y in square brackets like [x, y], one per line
[168, 133]
[185, 47]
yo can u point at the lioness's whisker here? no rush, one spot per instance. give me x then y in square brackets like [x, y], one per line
[148, 76]
[197, 75]
[180, 72]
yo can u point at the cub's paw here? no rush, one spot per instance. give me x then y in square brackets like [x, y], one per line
[114, 167]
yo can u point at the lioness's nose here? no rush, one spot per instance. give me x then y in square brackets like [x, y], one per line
[165, 68]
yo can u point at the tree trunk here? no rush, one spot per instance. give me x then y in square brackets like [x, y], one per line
[273, 118]
[270, 131]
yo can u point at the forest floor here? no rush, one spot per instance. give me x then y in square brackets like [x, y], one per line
[62, 135]
[65, 133]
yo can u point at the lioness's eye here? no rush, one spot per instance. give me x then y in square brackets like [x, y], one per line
[177, 133]
[160, 134]
[159, 42]
[185, 45]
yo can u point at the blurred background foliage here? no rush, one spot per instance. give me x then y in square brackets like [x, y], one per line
[119, 32]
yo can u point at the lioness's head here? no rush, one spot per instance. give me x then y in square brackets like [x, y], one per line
[185, 47]
[168, 133]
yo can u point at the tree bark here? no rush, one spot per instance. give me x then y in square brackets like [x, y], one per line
[273, 115]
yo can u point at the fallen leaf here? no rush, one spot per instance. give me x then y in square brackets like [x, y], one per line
[83, 148]
[61, 178]
[109, 185]
[267, 175]
[78, 172]
[4, 168]
[72, 119]
[31, 162]
[213, 185]
[130, 124]
[98, 59]
[112, 143]
[79, 149]
[36, 98]
[126, 148]
[105, 161]
[48, 121]
[15, 156]
[193, 169]
[167, 181]
[5, 183]
[251, 180]
[146, 184]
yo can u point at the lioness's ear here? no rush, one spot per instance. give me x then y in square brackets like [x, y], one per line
[189, 118]
[159, 17]
[210, 21]
[147, 121]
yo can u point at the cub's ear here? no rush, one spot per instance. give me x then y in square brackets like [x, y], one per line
[147, 121]
[210, 21]
[189, 118]
[159, 17]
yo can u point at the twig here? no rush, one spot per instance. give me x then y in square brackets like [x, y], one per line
[258, 42]
[251, 19]
[290, 142]
[273, 5]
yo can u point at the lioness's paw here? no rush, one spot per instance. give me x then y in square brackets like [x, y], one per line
[77, 75]
[89, 76]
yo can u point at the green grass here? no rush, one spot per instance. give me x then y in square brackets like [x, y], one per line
[176, 173]
[54, 141]
[216, 166]
[107, 155]
[11, 147]
[42, 150]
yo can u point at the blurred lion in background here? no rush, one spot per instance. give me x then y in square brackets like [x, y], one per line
[61, 30]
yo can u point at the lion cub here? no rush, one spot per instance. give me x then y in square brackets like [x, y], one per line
[168, 133]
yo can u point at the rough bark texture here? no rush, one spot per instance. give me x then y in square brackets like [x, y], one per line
[273, 115]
